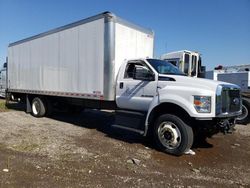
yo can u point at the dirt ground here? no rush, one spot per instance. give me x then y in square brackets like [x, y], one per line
[84, 151]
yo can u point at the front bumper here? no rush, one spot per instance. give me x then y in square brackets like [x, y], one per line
[229, 115]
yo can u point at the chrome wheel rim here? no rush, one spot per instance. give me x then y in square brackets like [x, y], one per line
[35, 107]
[169, 135]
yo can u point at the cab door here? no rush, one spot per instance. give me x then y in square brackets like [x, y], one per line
[137, 87]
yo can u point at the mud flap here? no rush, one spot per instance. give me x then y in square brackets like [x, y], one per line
[28, 104]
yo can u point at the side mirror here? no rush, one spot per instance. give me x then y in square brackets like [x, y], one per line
[142, 73]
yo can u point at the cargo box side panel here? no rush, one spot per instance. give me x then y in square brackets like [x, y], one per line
[19, 69]
[44, 64]
[69, 61]
[238, 78]
[91, 57]
[131, 43]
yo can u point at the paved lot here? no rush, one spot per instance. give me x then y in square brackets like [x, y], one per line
[84, 151]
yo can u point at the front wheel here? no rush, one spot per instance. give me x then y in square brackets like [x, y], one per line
[172, 135]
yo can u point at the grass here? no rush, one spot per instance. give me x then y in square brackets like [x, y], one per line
[3, 108]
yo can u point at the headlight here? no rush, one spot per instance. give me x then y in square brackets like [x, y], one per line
[202, 104]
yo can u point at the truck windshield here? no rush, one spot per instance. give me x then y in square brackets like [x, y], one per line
[164, 67]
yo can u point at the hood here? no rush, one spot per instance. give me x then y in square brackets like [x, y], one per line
[195, 82]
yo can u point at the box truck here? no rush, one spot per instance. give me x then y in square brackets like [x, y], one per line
[105, 62]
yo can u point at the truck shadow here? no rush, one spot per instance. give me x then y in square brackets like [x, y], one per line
[102, 121]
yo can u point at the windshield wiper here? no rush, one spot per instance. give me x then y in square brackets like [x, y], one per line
[171, 73]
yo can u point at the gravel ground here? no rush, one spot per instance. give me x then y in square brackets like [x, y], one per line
[84, 151]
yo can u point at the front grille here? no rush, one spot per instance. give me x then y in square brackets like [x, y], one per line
[228, 100]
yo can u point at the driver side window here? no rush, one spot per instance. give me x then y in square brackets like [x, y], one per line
[131, 69]
[138, 71]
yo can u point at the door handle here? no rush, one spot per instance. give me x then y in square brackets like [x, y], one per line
[121, 85]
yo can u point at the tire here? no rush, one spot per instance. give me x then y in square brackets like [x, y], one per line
[38, 108]
[244, 117]
[172, 135]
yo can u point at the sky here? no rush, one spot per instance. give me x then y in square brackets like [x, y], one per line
[218, 29]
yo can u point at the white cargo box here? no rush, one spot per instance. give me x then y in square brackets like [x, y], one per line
[241, 79]
[77, 60]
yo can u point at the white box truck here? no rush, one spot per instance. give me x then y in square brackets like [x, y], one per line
[105, 62]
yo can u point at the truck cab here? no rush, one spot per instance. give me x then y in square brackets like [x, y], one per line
[189, 62]
[173, 103]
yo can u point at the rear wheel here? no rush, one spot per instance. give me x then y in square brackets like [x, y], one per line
[38, 108]
[172, 135]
